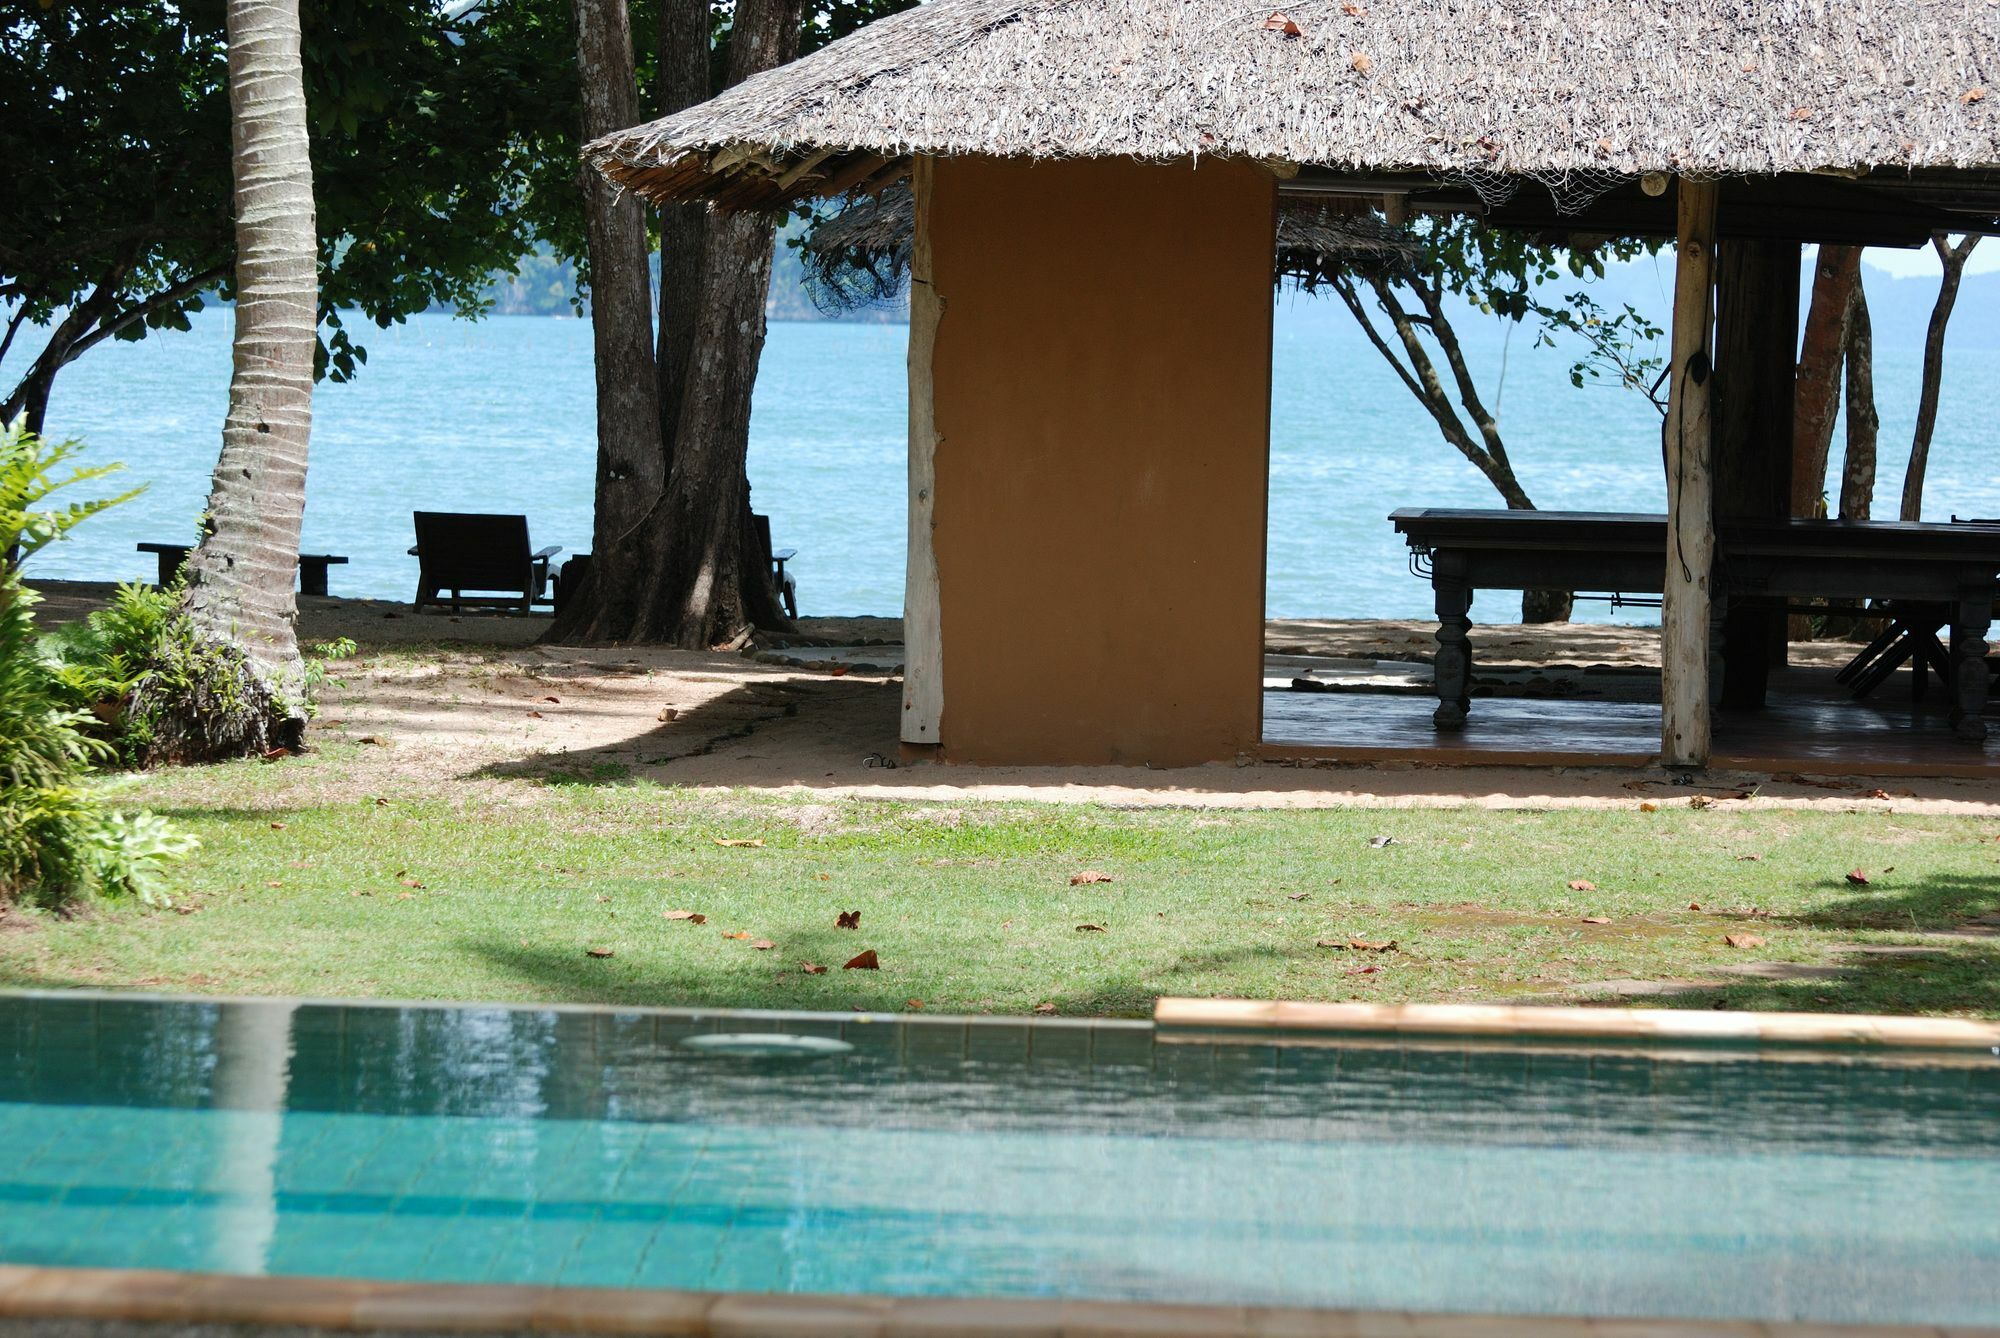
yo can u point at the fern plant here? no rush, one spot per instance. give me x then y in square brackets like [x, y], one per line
[57, 843]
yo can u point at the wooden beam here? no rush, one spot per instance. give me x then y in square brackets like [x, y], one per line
[923, 618]
[1685, 637]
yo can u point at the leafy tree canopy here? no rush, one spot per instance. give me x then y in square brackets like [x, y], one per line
[114, 123]
[445, 144]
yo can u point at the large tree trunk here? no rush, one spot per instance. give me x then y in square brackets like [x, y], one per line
[684, 80]
[631, 467]
[1818, 396]
[1954, 258]
[691, 571]
[693, 561]
[1857, 471]
[248, 681]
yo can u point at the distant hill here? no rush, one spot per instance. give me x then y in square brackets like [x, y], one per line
[546, 286]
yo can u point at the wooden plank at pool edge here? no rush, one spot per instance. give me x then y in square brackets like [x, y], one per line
[131, 1303]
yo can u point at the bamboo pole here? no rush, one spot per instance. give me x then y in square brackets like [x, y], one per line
[1685, 615]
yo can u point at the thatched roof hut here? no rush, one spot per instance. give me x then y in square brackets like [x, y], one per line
[1580, 94]
[1095, 186]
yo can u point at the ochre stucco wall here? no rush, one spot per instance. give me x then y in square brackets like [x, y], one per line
[1101, 390]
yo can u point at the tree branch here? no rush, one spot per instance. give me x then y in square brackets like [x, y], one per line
[1432, 395]
[166, 297]
[1468, 392]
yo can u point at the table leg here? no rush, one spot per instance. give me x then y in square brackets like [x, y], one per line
[1745, 686]
[1969, 622]
[1453, 669]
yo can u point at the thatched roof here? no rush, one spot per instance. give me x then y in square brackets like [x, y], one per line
[1547, 88]
[860, 255]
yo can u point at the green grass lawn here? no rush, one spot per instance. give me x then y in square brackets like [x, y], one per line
[499, 891]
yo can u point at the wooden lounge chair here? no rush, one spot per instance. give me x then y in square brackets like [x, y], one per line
[486, 555]
[781, 580]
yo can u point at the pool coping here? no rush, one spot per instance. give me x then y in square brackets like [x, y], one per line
[148, 1298]
[1207, 1018]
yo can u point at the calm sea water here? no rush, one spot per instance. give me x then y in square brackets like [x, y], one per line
[498, 415]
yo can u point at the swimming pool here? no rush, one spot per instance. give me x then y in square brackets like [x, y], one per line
[994, 1158]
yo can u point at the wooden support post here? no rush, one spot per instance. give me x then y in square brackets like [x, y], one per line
[923, 623]
[1685, 641]
[1756, 361]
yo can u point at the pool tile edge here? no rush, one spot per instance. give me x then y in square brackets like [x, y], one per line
[1504, 1021]
[145, 1300]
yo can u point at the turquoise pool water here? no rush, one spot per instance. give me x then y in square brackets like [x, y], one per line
[578, 1147]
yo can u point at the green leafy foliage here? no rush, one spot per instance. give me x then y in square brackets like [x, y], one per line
[58, 844]
[99, 661]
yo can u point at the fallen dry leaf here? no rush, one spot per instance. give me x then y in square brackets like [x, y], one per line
[277, 826]
[1596, 919]
[847, 920]
[740, 842]
[1088, 876]
[1857, 878]
[1972, 95]
[1649, 807]
[375, 739]
[556, 700]
[1353, 10]
[1875, 794]
[274, 885]
[597, 952]
[696, 916]
[1282, 22]
[1754, 859]
[1701, 801]
[812, 968]
[1801, 113]
[1090, 929]
[666, 714]
[1744, 940]
[1362, 970]
[1297, 896]
[1363, 945]
[763, 945]
[409, 882]
[1377, 842]
[535, 715]
[277, 754]
[1361, 63]
[913, 1003]
[1582, 885]
[863, 961]
[736, 933]
[1045, 1008]
[603, 897]
[1694, 905]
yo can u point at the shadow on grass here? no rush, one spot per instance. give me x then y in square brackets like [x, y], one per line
[1938, 902]
[745, 978]
[1960, 977]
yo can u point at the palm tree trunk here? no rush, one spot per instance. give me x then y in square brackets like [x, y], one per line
[242, 648]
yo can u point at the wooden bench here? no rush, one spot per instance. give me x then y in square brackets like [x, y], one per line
[312, 566]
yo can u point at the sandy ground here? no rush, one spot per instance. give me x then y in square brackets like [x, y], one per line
[436, 698]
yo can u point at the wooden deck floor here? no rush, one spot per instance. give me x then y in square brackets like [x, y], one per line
[1810, 725]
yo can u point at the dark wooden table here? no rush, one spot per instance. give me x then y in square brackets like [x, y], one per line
[1763, 561]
